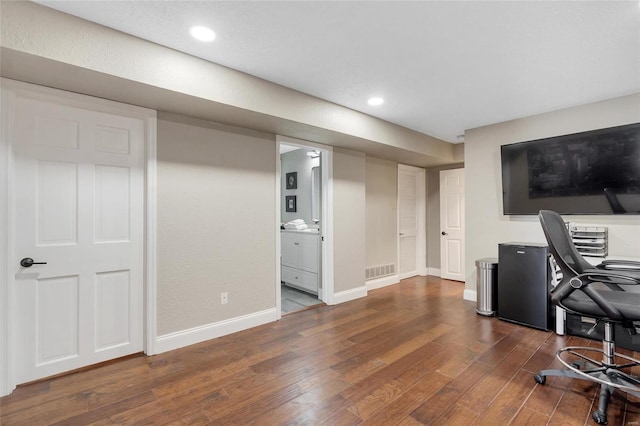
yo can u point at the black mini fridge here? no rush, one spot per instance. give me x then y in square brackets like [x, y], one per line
[523, 284]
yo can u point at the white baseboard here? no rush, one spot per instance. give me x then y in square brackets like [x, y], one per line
[382, 282]
[345, 296]
[433, 271]
[205, 332]
[469, 295]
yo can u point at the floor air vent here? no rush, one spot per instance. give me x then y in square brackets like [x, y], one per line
[379, 271]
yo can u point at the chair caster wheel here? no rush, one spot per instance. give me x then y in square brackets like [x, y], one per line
[599, 418]
[539, 379]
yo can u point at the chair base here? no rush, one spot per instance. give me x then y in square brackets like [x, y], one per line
[610, 375]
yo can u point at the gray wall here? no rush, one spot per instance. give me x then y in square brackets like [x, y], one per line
[349, 219]
[381, 212]
[297, 161]
[216, 222]
[458, 152]
[486, 226]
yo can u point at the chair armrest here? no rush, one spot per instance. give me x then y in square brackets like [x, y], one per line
[583, 283]
[615, 264]
[618, 277]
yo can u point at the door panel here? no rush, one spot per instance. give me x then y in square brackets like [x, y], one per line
[453, 257]
[408, 209]
[112, 295]
[79, 185]
[412, 257]
[408, 252]
[57, 320]
[56, 131]
[452, 224]
[56, 202]
[308, 252]
[112, 194]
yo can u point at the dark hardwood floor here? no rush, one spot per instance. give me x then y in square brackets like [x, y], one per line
[412, 353]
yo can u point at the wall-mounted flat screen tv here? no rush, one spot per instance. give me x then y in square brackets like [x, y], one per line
[595, 172]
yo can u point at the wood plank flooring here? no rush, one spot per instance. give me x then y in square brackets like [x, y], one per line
[413, 353]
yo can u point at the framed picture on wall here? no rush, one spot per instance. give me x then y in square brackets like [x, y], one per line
[290, 203]
[292, 180]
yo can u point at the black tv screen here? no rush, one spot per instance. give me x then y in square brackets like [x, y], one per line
[595, 172]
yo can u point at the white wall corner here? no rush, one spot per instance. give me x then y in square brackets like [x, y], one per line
[433, 271]
[276, 228]
[345, 296]
[151, 243]
[191, 336]
[382, 282]
[6, 385]
[469, 295]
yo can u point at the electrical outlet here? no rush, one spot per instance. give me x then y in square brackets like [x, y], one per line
[224, 298]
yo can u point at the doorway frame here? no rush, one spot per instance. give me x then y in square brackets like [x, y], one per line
[326, 167]
[9, 90]
[421, 232]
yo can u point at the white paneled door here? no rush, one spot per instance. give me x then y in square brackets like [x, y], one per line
[79, 206]
[411, 221]
[452, 224]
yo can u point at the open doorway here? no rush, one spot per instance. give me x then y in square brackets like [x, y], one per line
[303, 226]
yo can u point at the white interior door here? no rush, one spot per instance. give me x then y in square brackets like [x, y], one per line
[411, 222]
[79, 205]
[452, 224]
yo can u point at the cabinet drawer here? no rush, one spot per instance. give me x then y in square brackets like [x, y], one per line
[302, 279]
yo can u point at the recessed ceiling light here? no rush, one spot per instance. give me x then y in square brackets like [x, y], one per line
[375, 101]
[202, 33]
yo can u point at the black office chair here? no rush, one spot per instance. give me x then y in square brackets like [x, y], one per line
[599, 293]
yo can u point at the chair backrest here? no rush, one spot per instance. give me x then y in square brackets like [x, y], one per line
[560, 244]
[614, 203]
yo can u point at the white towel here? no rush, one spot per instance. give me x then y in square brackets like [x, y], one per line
[296, 227]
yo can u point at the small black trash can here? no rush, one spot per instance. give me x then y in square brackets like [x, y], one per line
[486, 286]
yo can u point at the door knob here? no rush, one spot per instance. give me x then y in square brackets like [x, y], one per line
[444, 233]
[27, 262]
[402, 233]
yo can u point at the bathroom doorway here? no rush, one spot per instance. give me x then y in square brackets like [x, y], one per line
[304, 226]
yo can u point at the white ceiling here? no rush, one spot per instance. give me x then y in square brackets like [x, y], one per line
[441, 66]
